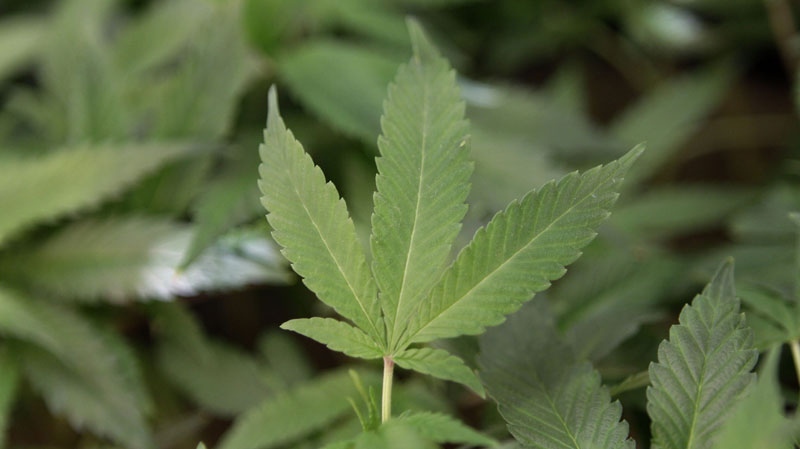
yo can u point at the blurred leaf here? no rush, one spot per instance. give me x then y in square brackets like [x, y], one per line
[285, 358]
[441, 428]
[539, 121]
[159, 34]
[19, 38]
[608, 296]
[77, 71]
[774, 318]
[230, 199]
[42, 188]
[670, 211]
[757, 421]
[81, 374]
[343, 84]
[121, 259]
[289, 415]
[199, 97]
[547, 397]
[9, 384]
[666, 117]
[216, 376]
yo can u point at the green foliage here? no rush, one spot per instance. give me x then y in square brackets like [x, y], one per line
[422, 183]
[548, 397]
[702, 369]
[133, 249]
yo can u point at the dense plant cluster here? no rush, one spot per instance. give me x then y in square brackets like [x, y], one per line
[638, 156]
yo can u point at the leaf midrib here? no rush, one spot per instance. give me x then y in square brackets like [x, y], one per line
[423, 155]
[334, 256]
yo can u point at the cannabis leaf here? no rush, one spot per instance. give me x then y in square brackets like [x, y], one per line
[422, 182]
[411, 295]
[702, 369]
[548, 398]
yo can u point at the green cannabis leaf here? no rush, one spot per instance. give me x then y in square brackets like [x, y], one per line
[547, 396]
[409, 294]
[702, 369]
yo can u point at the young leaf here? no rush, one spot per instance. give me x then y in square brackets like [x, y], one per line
[336, 335]
[35, 189]
[519, 252]
[18, 40]
[546, 396]
[422, 182]
[311, 222]
[292, 414]
[702, 369]
[439, 363]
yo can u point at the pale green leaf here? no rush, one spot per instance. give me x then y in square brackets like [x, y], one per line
[519, 253]
[702, 369]
[441, 364]
[311, 222]
[422, 182]
[343, 84]
[46, 187]
[120, 259]
[441, 428]
[216, 376]
[548, 398]
[667, 116]
[336, 335]
[757, 420]
[82, 373]
[289, 415]
[773, 318]
[19, 37]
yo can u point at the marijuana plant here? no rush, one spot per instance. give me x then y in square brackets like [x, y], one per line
[409, 294]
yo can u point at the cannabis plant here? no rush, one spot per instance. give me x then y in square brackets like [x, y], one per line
[409, 293]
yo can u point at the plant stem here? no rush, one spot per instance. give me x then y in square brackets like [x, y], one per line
[386, 396]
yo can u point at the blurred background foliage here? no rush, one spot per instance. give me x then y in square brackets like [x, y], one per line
[139, 289]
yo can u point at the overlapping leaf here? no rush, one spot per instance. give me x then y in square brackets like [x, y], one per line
[702, 369]
[548, 398]
[35, 189]
[422, 182]
[519, 253]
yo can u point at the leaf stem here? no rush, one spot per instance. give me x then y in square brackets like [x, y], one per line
[386, 396]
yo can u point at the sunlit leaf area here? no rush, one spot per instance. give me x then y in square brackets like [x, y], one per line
[399, 224]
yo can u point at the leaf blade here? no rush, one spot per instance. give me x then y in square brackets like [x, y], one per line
[336, 335]
[311, 222]
[702, 368]
[422, 181]
[519, 252]
[441, 364]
